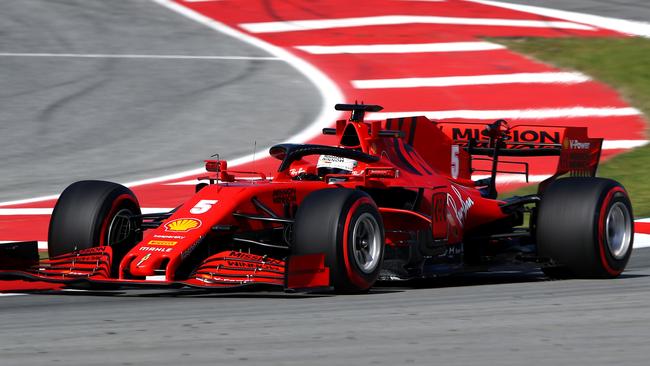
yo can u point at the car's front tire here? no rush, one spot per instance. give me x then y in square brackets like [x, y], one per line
[345, 225]
[93, 213]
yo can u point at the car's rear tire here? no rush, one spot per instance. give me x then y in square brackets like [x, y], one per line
[93, 213]
[345, 225]
[585, 227]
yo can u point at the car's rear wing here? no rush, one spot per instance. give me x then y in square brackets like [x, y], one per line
[578, 153]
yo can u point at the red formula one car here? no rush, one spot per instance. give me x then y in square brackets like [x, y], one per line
[392, 200]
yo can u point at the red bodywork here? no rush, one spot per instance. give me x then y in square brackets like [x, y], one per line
[421, 182]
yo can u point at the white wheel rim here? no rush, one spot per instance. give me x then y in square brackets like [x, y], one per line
[618, 230]
[366, 242]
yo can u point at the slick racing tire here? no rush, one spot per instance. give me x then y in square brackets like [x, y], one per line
[93, 213]
[345, 225]
[585, 227]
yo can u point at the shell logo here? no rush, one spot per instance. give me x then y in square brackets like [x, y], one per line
[182, 225]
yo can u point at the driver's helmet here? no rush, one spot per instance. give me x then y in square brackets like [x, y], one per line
[330, 164]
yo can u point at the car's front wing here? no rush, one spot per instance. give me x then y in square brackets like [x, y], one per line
[226, 271]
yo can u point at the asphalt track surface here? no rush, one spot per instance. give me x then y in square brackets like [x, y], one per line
[496, 319]
[64, 119]
[499, 319]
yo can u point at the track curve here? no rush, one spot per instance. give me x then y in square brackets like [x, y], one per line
[65, 116]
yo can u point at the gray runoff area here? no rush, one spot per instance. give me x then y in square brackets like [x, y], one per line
[482, 319]
[64, 119]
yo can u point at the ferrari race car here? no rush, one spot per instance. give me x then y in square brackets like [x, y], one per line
[391, 200]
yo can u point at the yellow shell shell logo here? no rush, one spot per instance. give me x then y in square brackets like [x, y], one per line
[182, 225]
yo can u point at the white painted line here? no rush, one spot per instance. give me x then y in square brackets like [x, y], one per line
[643, 220]
[445, 81]
[152, 210]
[514, 114]
[403, 48]
[162, 57]
[623, 144]
[469, 114]
[193, 182]
[10, 294]
[631, 27]
[641, 240]
[29, 200]
[314, 24]
[329, 91]
[41, 244]
[25, 211]
[48, 211]
[505, 178]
